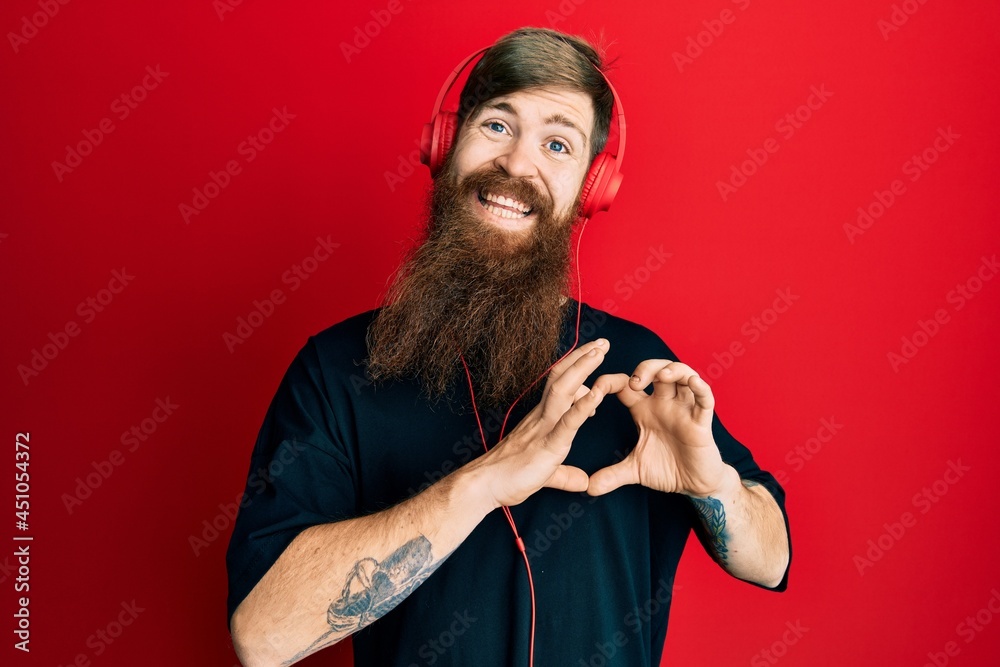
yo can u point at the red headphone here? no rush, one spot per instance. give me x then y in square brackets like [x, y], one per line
[602, 181]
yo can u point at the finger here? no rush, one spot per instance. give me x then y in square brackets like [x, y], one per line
[561, 392]
[565, 363]
[704, 399]
[618, 383]
[646, 372]
[581, 392]
[664, 385]
[676, 369]
[672, 378]
[573, 418]
[684, 395]
[614, 476]
[568, 478]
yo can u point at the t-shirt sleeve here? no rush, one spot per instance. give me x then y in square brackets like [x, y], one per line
[300, 476]
[737, 455]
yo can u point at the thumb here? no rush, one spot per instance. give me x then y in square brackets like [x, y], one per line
[568, 478]
[612, 477]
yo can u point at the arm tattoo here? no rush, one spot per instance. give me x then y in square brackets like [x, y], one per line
[713, 518]
[373, 589]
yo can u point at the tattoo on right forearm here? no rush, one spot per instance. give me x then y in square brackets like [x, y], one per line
[713, 518]
[373, 589]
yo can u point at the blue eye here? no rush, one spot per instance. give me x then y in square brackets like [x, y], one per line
[495, 126]
[558, 146]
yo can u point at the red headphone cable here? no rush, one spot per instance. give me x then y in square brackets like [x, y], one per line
[518, 541]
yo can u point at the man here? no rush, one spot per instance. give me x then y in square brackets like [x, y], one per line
[383, 521]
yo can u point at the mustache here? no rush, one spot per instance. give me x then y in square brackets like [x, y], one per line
[496, 182]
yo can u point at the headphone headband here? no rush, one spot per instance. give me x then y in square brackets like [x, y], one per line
[455, 73]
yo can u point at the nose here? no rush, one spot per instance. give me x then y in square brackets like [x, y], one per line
[517, 160]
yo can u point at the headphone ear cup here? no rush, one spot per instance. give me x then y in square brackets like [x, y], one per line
[593, 185]
[427, 141]
[447, 122]
[436, 139]
[449, 125]
[610, 183]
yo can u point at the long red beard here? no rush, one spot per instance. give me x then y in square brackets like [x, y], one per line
[475, 291]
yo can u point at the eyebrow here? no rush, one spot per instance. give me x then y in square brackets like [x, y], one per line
[554, 119]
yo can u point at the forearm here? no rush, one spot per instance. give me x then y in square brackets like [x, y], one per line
[744, 530]
[336, 578]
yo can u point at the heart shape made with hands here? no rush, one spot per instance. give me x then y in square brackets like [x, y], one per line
[675, 451]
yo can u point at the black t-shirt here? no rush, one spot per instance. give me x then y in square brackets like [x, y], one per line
[335, 446]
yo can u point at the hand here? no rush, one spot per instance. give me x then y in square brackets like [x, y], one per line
[675, 451]
[532, 455]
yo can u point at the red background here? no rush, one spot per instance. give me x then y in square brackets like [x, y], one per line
[356, 117]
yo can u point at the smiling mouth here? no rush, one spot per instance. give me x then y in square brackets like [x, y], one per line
[503, 207]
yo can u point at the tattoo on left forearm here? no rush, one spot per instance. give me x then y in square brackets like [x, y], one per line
[713, 518]
[373, 589]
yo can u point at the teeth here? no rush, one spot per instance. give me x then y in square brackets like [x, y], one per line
[503, 213]
[507, 201]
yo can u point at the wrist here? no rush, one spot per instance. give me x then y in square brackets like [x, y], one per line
[473, 487]
[727, 486]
